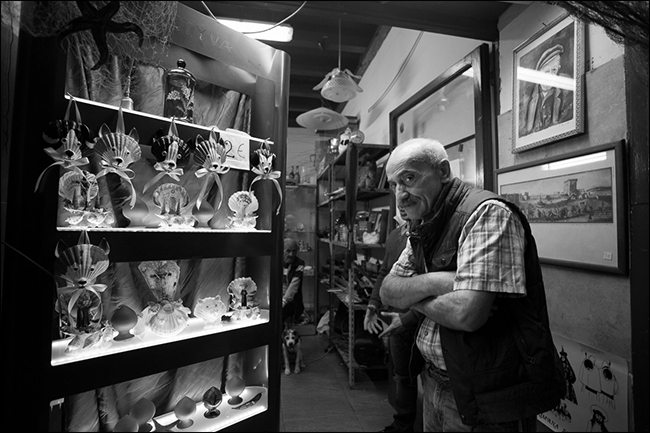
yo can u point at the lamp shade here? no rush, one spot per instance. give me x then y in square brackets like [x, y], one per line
[322, 119]
[340, 87]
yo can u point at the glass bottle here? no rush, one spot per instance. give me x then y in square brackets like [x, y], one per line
[292, 177]
[179, 86]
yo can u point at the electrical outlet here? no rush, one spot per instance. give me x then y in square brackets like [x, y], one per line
[607, 256]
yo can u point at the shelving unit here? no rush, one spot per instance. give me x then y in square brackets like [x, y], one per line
[339, 192]
[48, 386]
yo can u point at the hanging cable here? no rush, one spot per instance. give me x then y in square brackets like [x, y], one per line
[401, 69]
[339, 43]
[265, 30]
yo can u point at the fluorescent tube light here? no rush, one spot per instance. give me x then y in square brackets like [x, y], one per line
[581, 160]
[260, 30]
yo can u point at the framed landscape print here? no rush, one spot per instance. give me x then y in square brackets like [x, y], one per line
[548, 75]
[575, 205]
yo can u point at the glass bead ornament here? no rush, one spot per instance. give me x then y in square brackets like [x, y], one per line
[212, 399]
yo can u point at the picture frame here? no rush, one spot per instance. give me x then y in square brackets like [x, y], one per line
[548, 82]
[575, 204]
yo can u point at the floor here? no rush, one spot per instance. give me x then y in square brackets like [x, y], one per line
[319, 399]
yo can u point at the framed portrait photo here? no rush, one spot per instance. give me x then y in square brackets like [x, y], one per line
[575, 205]
[548, 75]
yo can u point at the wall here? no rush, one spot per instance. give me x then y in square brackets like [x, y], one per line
[592, 308]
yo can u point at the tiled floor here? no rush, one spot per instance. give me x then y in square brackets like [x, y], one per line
[319, 399]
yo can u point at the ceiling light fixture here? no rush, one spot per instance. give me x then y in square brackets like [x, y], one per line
[260, 30]
[338, 85]
[278, 32]
[322, 119]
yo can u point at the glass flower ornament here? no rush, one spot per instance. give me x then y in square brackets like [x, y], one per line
[263, 162]
[173, 202]
[210, 155]
[79, 297]
[118, 151]
[172, 154]
[162, 277]
[210, 309]
[70, 142]
[243, 204]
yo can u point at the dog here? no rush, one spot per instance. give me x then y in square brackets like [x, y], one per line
[291, 346]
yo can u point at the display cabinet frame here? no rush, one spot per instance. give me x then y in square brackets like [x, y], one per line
[28, 289]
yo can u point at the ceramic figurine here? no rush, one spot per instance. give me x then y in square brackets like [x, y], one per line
[210, 155]
[172, 155]
[162, 277]
[173, 201]
[263, 163]
[118, 151]
[243, 204]
[210, 309]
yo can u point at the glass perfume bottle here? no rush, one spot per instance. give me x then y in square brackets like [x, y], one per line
[179, 86]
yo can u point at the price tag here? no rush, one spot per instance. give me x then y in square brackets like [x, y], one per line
[237, 145]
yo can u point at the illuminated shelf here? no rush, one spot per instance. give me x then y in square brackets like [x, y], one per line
[196, 328]
[227, 417]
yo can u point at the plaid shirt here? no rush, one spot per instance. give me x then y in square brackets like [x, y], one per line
[490, 258]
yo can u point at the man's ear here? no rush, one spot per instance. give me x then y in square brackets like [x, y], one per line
[445, 171]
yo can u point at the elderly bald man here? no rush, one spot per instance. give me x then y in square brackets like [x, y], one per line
[470, 268]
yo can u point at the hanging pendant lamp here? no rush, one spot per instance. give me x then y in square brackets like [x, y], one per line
[322, 119]
[338, 85]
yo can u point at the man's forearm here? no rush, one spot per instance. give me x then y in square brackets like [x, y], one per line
[403, 292]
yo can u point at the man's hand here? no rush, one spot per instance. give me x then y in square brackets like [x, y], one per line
[371, 322]
[395, 324]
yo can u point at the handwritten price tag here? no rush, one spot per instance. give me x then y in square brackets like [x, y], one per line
[237, 145]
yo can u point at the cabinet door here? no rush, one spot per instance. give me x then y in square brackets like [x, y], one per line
[455, 109]
[208, 258]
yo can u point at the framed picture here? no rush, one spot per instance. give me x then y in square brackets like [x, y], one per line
[548, 75]
[575, 205]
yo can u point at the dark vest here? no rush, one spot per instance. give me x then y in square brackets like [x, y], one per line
[508, 369]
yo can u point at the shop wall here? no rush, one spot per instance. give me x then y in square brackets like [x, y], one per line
[592, 308]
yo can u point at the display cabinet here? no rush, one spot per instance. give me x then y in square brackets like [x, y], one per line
[346, 257]
[163, 334]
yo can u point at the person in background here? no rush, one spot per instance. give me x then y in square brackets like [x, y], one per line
[406, 359]
[292, 306]
[471, 268]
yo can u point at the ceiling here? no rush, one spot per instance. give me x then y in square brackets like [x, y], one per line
[314, 50]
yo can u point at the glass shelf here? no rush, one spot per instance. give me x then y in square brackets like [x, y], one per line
[196, 328]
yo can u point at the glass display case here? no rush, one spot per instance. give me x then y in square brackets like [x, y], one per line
[118, 316]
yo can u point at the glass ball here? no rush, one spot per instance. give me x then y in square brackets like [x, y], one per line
[126, 424]
[234, 387]
[184, 410]
[143, 411]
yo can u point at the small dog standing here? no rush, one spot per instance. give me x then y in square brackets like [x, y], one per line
[291, 346]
